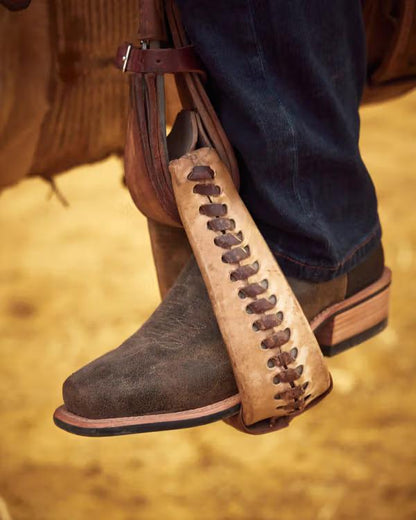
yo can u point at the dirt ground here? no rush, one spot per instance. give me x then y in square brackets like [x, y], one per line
[77, 281]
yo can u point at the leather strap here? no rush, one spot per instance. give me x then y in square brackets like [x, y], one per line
[148, 149]
[158, 61]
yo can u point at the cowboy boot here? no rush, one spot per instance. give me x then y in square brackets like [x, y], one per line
[177, 371]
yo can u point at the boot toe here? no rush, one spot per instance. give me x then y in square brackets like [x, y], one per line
[86, 393]
[176, 361]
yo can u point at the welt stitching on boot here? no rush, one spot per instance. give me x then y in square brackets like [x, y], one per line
[276, 359]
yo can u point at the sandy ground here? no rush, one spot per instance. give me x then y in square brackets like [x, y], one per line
[77, 281]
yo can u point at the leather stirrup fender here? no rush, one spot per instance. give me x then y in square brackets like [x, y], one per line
[276, 359]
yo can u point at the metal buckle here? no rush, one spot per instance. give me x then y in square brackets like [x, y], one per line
[126, 58]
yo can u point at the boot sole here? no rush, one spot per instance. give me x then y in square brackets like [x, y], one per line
[337, 328]
[354, 320]
[146, 423]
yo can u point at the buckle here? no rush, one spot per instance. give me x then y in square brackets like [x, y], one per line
[126, 57]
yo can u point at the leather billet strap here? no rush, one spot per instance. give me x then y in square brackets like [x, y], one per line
[158, 61]
[277, 362]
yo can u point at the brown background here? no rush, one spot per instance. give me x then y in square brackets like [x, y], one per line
[77, 281]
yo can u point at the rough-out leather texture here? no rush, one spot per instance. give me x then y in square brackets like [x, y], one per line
[176, 361]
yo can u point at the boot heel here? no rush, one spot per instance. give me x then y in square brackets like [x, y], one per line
[354, 323]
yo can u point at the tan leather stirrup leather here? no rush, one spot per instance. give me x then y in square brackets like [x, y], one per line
[281, 371]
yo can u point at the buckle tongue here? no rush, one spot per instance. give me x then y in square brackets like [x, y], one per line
[126, 57]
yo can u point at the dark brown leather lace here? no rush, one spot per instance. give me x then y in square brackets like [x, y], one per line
[232, 241]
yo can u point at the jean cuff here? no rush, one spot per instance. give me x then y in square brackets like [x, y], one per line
[322, 273]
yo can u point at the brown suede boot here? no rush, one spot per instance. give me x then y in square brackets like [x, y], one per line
[175, 372]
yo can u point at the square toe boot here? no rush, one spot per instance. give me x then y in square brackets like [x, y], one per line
[175, 371]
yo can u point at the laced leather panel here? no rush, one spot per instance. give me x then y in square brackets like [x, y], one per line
[274, 353]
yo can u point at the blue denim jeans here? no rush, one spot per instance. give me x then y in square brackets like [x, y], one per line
[286, 78]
